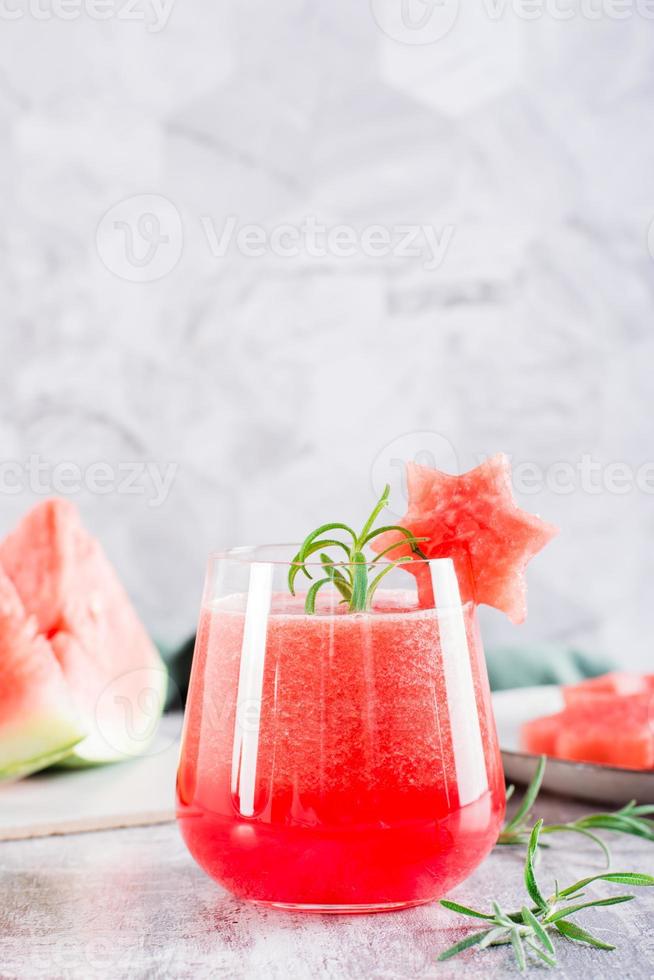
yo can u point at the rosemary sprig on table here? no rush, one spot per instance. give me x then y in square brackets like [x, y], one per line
[350, 575]
[630, 819]
[531, 929]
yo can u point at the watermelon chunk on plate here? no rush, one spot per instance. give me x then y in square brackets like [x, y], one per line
[111, 668]
[474, 519]
[39, 722]
[615, 730]
[540, 735]
[606, 685]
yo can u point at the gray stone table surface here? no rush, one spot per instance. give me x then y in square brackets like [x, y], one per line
[131, 903]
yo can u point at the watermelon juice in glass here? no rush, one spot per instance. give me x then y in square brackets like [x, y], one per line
[339, 750]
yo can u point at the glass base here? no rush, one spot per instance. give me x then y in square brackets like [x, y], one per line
[344, 909]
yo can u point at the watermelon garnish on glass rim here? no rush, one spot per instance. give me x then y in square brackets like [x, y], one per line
[474, 520]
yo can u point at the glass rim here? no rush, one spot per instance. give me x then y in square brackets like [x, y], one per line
[250, 555]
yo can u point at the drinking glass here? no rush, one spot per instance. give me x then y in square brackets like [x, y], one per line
[337, 761]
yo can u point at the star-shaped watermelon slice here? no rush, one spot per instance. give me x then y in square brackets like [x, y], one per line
[474, 519]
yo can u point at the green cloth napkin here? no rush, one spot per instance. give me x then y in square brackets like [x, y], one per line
[507, 667]
[525, 667]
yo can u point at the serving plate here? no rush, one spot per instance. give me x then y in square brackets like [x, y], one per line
[581, 780]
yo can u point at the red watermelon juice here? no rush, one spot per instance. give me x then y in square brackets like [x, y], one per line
[336, 761]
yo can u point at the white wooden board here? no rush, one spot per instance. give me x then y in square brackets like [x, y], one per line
[138, 791]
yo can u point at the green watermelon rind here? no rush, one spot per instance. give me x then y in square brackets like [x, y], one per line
[77, 759]
[28, 766]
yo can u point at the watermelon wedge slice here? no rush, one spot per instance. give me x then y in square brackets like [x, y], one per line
[474, 519]
[111, 668]
[39, 722]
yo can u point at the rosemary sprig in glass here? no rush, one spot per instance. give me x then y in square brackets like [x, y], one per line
[630, 819]
[531, 929]
[353, 574]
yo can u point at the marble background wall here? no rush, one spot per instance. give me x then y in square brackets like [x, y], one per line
[272, 391]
